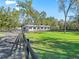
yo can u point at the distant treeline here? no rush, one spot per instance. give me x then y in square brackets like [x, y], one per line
[11, 19]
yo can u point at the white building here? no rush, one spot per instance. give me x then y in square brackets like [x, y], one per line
[37, 27]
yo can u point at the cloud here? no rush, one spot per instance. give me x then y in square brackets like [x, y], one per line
[17, 8]
[10, 2]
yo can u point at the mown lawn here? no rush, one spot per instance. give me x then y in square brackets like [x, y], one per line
[55, 45]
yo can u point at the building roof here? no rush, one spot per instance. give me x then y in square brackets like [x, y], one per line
[38, 25]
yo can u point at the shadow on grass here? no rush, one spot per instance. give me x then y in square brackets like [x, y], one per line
[68, 50]
[77, 33]
[73, 33]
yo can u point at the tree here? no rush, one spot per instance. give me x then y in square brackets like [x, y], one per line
[8, 19]
[77, 14]
[65, 6]
[77, 21]
[61, 24]
[25, 8]
[42, 16]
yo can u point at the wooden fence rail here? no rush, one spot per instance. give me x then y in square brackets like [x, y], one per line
[20, 48]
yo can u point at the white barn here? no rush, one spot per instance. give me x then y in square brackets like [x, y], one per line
[37, 27]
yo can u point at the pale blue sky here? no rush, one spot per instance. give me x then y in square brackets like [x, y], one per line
[49, 6]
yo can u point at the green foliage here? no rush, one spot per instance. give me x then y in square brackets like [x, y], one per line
[8, 19]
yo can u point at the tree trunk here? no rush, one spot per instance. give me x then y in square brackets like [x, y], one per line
[65, 24]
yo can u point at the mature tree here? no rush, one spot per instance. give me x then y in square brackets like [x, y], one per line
[8, 18]
[42, 16]
[65, 6]
[25, 8]
[61, 24]
[77, 21]
[77, 14]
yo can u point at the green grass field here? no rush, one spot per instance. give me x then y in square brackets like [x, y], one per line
[55, 45]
